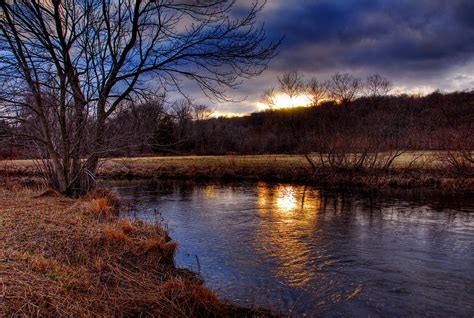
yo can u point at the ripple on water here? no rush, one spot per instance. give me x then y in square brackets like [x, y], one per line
[300, 249]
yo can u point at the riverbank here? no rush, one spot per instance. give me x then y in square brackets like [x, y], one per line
[411, 170]
[66, 257]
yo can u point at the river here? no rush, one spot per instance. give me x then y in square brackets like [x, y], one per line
[303, 250]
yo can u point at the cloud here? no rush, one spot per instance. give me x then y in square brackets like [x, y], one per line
[415, 43]
[408, 35]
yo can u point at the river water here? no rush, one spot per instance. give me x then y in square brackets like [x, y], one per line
[305, 251]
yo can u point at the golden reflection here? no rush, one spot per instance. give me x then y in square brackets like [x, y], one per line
[210, 191]
[288, 214]
[263, 196]
[286, 200]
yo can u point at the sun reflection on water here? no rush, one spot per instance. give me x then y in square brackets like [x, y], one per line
[286, 199]
[288, 213]
[209, 191]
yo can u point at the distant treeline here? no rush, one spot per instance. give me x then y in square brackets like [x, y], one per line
[433, 122]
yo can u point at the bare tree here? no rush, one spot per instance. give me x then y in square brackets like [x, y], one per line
[377, 85]
[201, 112]
[66, 66]
[183, 112]
[291, 84]
[129, 129]
[318, 91]
[269, 98]
[344, 87]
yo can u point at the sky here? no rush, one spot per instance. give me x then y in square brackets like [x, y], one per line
[419, 45]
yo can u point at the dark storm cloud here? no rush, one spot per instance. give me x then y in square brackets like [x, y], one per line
[404, 35]
[415, 43]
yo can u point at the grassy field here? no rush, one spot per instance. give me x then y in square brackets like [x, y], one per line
[410, 170]
[63, 257]
[426, 159]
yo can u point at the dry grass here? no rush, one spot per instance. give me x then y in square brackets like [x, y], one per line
[126, 226]
[59, 259]
[410, 170]
[100, 208]
[426, 158]
[105, 198]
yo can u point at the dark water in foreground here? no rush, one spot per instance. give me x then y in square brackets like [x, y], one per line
[302, 250]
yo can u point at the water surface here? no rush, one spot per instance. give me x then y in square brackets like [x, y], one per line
[306, 251]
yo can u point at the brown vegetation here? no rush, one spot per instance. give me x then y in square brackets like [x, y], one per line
[58, 259]
[407, 170]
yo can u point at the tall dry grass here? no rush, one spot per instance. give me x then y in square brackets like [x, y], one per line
[64, 257]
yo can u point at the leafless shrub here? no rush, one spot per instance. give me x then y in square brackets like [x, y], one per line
[318, 91]
[269, 98]
[460, 161]
[377, 85]
[291, 84]
[344, 87]
[460, 157]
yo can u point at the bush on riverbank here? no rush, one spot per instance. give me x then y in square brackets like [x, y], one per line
[59, 259]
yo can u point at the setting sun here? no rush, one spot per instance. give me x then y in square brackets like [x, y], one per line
[285, 101]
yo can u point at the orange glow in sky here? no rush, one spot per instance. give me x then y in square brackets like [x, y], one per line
[284, 101]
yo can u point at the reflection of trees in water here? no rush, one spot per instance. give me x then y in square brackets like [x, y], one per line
[220, 192]
[180, 189]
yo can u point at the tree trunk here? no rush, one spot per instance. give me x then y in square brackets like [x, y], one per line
[61, 180]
